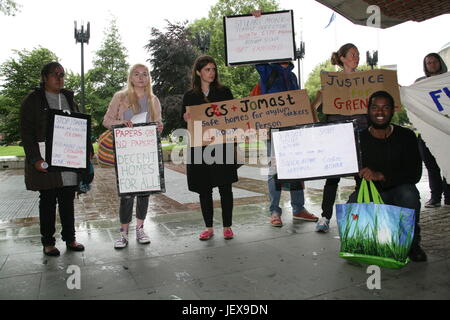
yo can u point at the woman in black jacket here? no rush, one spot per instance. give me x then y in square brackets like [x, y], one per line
[203, 177]
[54, 187]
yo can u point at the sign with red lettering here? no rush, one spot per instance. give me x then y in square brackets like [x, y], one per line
[348, 93]
[250, 40]
[139, 164]
[68, 136]
[248, 118]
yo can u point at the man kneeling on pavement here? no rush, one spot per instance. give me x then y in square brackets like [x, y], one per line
[391, 159]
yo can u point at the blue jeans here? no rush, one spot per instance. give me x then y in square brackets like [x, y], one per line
[297, 198]
[404, 195]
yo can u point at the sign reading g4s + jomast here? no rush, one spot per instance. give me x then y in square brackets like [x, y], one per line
[248, 118]
[348, 93]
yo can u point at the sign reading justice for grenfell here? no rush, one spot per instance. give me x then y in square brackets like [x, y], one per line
[348, 93]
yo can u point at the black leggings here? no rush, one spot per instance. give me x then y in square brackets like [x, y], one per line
[226, 200]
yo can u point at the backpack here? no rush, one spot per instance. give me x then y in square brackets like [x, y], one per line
[256, 91]
[105, 153]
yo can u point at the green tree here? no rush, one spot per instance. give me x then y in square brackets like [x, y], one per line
[9, 7]
[172, 56]
[240, 79]
[108, 75]
[21, 74]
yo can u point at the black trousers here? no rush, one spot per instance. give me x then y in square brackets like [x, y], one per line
[438, 185]
[329, 196]
[48, 199]
[226, 201]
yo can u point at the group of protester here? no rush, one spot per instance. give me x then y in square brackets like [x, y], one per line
[391, 155]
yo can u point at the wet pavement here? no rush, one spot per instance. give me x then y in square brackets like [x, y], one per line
[261, 262]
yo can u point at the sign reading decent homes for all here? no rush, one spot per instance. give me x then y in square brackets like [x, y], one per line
[139, 167]
[315, 151]
[269, 38]
[348, 94]
[67, 140]
[248, 118]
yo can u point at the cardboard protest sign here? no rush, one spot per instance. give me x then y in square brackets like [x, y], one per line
[348, 93]
[139, 167]
[250, 40]
[316, 151]
[68, 135]
[248, 118]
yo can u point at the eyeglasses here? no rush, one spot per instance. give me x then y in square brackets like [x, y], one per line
[57, 74]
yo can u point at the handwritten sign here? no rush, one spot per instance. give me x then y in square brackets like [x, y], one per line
[67, 140]
[317, 151]
[348, 94]
[248, 118]
[139, 168]
[250, 40]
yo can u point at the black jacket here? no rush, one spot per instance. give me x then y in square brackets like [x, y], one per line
[33, 129]
[203, 176]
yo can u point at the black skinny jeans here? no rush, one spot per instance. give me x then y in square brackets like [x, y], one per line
[48, 199]
[226, 200]
[438, 185]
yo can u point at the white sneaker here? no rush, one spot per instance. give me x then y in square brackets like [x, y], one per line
[122, 242]
[323, 225]
[141, 236]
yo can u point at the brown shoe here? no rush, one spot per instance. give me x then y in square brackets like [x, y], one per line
[74, 246]
[305, 215]
[51, 251]
[275, 220]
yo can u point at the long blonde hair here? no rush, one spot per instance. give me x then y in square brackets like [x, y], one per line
[132, 96]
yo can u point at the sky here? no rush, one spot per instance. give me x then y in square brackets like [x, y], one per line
[50, 24]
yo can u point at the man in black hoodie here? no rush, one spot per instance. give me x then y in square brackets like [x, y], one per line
[433, 65]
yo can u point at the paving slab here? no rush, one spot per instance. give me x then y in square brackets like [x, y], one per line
[260, 263]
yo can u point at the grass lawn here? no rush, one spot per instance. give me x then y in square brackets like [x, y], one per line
[11, 151]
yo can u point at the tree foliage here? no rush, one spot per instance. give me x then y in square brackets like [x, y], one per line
[172, 56]
[108, 75]
[9, 7]
[21, 74]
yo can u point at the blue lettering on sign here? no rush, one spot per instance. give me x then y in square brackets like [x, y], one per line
[435, 96]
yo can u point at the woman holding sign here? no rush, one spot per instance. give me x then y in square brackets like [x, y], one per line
[203, 177]
[135, 104]
[54, 187]
[347, 57]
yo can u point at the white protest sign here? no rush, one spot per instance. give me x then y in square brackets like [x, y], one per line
[137, 159]
[69, 138]
[427, 103]
[256, 40]
[316, 152]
